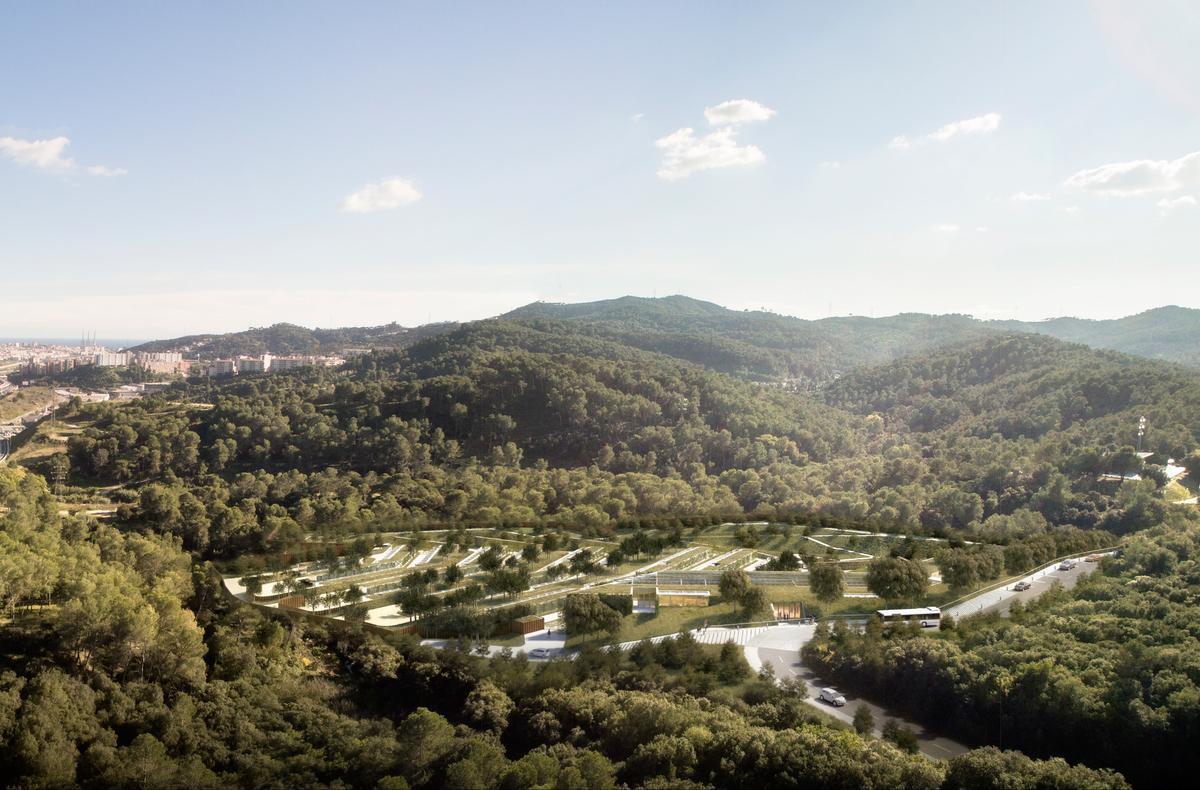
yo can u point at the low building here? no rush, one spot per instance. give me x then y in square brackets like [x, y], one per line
[683, 597]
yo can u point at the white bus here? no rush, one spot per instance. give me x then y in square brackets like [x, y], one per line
[926, 616]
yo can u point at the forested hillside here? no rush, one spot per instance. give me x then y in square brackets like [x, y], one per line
[1028, 386]
[1108, 673]
[284, 339]
[1167, 333]
[506, 423]
[122, 665]
[755, 344]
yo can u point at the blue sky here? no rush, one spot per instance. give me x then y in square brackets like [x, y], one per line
[233, 165]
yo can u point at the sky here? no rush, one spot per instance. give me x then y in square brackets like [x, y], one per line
[171, 168]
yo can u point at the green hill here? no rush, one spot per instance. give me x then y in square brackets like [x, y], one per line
[284, 339]
[755, 344]
[1169, 333]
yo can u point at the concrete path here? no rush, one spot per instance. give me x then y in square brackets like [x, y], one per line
[713, 635]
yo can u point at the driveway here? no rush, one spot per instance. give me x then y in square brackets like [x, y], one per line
[779, 646]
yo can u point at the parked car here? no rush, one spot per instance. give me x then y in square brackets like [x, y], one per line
[1022, 586]
[540, 652]
[831, 696]
[1094, 557]
[1067, 565]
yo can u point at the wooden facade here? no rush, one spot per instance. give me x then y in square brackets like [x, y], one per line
[683, 598]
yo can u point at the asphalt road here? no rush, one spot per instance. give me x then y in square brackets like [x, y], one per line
[780, 647]
[1001, 600]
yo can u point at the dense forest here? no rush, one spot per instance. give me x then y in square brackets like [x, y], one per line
[750, 344]
[1107, 674]
[502, 423]
[1168, 333]
[284, 339]
[122, 664]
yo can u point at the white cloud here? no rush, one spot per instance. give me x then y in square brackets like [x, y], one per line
[946, 228]
[1069, 209]
[684, 153]
[831, 164]
[45, 154]
[389, 194]
[1139, 177]
[737, 111]
[982, 229]
[104, 170]
[637, 117]
[49, 155]
[1167, 204]
[1029, 197]
[983, 124]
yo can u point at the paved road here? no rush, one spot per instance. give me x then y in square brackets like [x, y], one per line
[779, 646]
[1000, 600]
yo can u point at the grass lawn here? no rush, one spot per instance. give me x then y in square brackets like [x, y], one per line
[24, 400]
[669, 620]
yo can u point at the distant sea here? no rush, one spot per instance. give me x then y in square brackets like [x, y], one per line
[67, 341]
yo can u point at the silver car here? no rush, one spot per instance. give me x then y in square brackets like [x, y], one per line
[831, 696]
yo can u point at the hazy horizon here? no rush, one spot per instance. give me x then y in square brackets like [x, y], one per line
[191, 168]
[59, 339]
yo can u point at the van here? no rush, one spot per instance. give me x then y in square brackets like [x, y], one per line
[832, 697]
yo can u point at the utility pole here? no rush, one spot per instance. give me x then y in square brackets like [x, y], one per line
[1141, 432]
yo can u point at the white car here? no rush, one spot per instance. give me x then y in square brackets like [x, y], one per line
[540, 652]
[831, 696]
[1067, 565]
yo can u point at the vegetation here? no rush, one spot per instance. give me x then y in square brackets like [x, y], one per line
[1105, 674]
[613, 430]
[123, 666]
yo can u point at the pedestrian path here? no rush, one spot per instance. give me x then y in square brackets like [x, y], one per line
[713, 635]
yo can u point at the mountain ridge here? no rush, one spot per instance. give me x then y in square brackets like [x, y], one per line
[752, 344]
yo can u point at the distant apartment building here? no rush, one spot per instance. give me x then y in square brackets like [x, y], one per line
[166, 362]
[254, 364]
[50, 367]
[112, 359]
[292, 363]
[217, 368]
